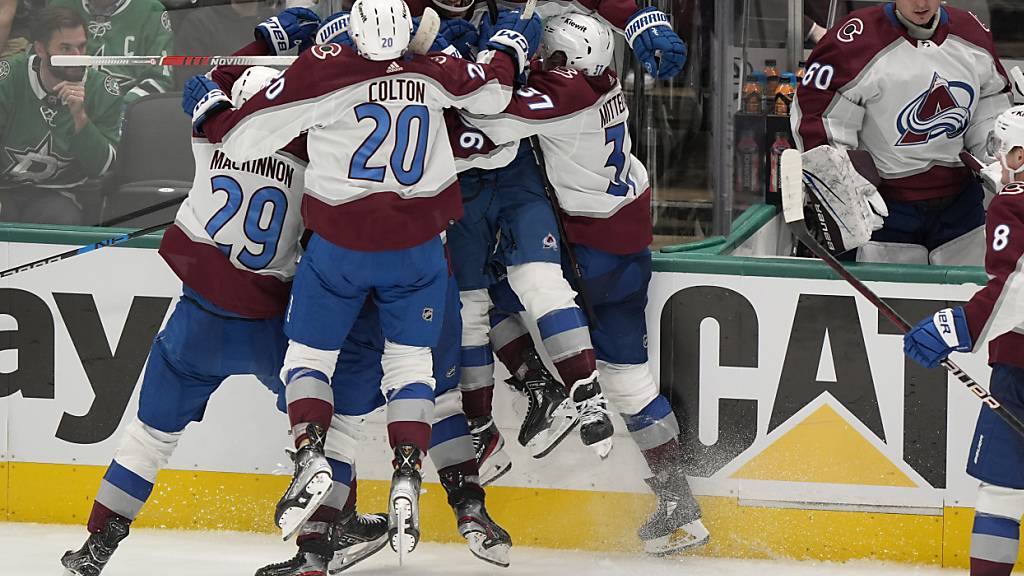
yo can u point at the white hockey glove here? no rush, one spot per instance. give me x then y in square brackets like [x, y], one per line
[847, 207]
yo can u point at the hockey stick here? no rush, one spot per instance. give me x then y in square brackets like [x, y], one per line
[119, 239]
[430, 23]
[793, 212]
[143, 211]
[86, 60]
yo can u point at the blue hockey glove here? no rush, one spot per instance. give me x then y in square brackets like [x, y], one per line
[661, 51]
[293, 27]
[460, 34]
[933, 339]
[335, 30]
[518, 38]
[201, 99]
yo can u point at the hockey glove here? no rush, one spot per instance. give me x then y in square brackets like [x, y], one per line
[291, 28]
[460, 34]
[933, 339]
[335, 30]
[661, 51]
[201, 99]
[516, 37]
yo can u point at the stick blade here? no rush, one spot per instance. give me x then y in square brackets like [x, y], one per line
[430, 23]
[528, 9]
[792, 173]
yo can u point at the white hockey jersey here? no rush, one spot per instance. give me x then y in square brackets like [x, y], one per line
[381, 174]
[914, 105]
[581, 124]
[235, 239]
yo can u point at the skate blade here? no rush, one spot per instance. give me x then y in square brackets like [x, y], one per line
[293, 518]
[497, 554]
[602, 448]
[403, 538]
[495, 467]
[349, 557]
[687, 537]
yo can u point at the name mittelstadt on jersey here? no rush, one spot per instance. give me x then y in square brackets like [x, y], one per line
[397, 89]
[612, 109]
[269, 167]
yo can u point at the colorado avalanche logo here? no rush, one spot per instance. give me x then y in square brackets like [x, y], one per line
[944, 109]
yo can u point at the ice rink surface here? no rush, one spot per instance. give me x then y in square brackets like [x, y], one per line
[34, 550]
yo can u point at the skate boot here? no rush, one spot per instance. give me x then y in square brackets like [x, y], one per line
[404, 502]
[90, 559]
[310, 485]
[490, 449]
[487, 541]
[676, 525]
[550, 415]
[355, 538]
[311, 560]
[596, 427]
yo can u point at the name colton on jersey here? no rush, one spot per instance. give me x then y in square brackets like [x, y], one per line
[392, 89]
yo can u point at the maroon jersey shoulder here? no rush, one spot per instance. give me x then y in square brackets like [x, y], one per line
[966, 25]
[560, 92]
[854, 42]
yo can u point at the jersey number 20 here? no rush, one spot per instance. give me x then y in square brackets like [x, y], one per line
[358, 169]
[253, 227]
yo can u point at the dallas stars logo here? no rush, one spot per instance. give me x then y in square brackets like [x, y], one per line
[35, 164]
[123, 80]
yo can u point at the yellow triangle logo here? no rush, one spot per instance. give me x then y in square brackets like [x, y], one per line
[824, 448]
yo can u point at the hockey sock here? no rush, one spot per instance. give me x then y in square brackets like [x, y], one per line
[566, 338]
[656, 432]
[129, 479]
[511, 340]
[310, 401]
[450, 441]
[477, 380]
[994, 545]
[410, 412]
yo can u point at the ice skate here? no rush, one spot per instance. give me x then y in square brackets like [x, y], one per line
[550, 415]
[676, 524]
[404, 502]
[310, 485]
[311, 560]
[90, 559]
[487, 541]
[356, 538]
[596, 427]
[489, 445]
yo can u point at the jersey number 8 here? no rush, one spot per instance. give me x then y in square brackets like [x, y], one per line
[267, 236]
[358, 169]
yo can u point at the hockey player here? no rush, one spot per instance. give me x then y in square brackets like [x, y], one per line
[995, 314]
[236, 273]
[127, 28]
[913, 83]
[59, 127]
[376, 226]
[575, 107]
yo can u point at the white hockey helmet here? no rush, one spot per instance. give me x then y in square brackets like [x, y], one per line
[380, 29]
[586, 43]
[251, 81]
[1007, 135]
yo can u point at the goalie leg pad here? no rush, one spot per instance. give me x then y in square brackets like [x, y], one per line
[967, 250]
[892, 253]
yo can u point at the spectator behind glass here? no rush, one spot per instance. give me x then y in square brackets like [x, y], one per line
[59, 127]
[217, 30]
[16, 25]
[128, 28]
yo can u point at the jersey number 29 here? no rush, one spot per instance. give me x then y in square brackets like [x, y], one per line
[266, 235]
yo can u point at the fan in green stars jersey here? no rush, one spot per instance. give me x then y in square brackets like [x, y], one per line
[59, 127]
[128, 28]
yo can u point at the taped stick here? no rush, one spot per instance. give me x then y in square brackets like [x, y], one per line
[430, 23]
[86, 60]
[793, 213]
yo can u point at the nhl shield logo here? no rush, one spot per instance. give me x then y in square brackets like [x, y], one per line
[428, 314]
[550, 242]
[943, 109]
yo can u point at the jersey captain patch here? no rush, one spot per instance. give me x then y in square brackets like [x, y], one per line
[944, 109]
